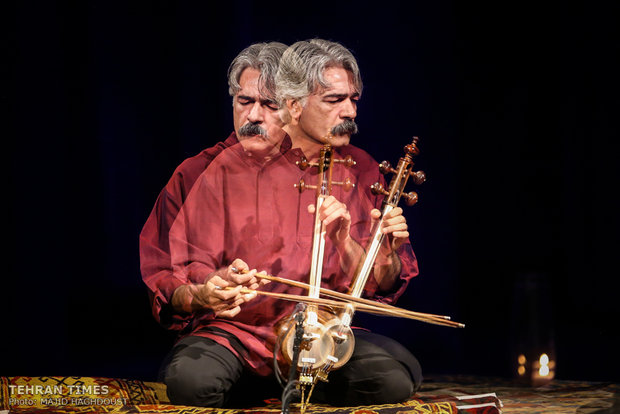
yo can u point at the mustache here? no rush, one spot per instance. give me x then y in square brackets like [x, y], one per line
[348, 127]
[252, 129]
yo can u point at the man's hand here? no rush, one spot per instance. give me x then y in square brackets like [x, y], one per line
[223, 302]
[394, 226]
[337, 221]
[238, 273]
[336, 218]
[387, 265]
[221, 292]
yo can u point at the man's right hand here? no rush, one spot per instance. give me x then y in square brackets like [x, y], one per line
[221, 292]
[222, 297]
[238, 273]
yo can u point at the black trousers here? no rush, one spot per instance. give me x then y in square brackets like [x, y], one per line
[200, 372]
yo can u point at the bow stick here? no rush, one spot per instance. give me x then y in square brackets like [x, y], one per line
[343, 296]
[433, 319]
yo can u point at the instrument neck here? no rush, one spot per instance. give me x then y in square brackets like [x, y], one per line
[318, 251]
[318, 238]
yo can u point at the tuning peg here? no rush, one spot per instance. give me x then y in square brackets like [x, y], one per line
[412, 149]
[347, 161]
[377, 189]
[385, 168]
[303, 163]
[347, 184]
[410, 198]
[303, 186]
[418, 177]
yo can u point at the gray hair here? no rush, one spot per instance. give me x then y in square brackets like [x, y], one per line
[301, 69]
[263, 57]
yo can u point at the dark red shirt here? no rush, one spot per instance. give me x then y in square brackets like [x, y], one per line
[248, 208]
[155, 263]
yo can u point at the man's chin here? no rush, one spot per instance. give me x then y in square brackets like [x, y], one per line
[257, 144]
[252, 138]
[340, 140]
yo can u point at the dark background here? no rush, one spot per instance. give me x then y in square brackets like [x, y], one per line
[516, 106]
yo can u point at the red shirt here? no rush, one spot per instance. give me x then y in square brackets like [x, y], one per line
[155, 263]
[243, 207]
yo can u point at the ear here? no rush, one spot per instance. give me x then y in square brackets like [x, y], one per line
[294, 108]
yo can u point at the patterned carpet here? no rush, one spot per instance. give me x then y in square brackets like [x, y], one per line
[557, 397]
[438, 395]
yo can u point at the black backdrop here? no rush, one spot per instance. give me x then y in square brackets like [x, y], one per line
[516, 107]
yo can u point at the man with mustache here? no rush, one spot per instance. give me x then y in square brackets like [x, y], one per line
[257, 128]
[317, 86]
[243, 211]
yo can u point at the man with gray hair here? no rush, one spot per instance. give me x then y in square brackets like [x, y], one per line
[318, 85]
[244, 208]
[257, 128]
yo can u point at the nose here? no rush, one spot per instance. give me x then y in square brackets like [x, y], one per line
[349, 109]
[256, 113]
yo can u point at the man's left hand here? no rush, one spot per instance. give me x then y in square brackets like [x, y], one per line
[336, 218]
[394, 226]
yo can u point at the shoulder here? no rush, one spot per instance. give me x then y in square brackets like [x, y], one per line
[359, 155]
[199, 162]
[194, 166]
[365, 164]
[352, 149]
[365, 173]
[186, 174]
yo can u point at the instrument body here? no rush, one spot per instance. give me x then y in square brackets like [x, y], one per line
[323, 347]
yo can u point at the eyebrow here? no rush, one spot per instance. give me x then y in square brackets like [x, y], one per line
[341, 95]
[261, 100]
